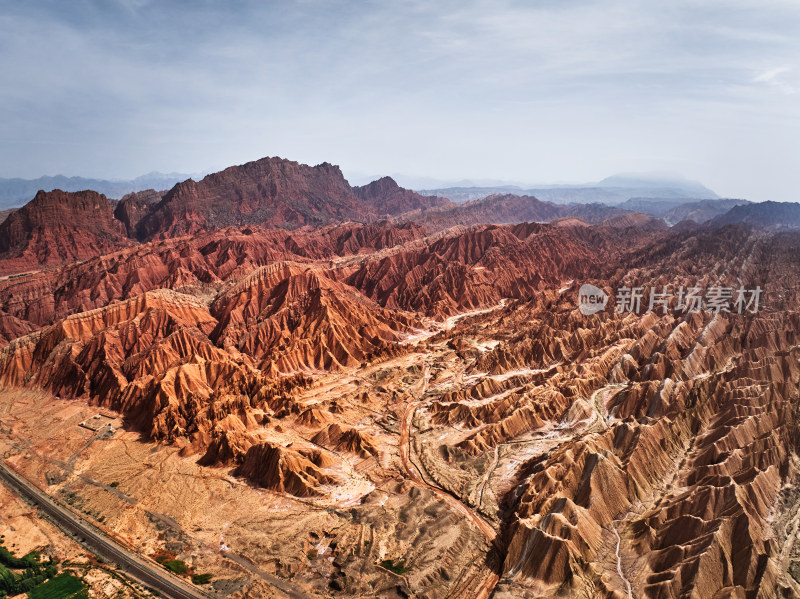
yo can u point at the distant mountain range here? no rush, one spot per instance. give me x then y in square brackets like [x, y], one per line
[674, 210]
[60, 226]
[18, 192]
[770, 216]
[612, 191]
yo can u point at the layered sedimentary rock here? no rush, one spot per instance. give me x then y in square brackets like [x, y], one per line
[290, 317]
[345, 438]
[133, 207]
[58, 227]
[199, 264]
[395, 265]
[651, 449]
[686, 472]
[270, 191]
[151, 359]
[298, 471]
[471, 268]
[388, 198]
[11, 328]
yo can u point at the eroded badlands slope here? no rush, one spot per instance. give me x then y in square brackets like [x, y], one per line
[435, 399]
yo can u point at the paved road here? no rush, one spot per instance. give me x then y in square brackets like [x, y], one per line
[148, 574]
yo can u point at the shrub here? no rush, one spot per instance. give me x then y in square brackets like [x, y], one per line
[176, 566]
[398, 568]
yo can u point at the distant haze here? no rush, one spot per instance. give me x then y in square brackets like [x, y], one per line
[498, 91]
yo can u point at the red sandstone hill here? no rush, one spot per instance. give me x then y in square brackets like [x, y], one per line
[60, 227]
[464, 269]
[393, 265]
[270, 192]
[133, 207]
[291, 317]
[57, 227]
[150, 358]
[287, 469]
[388, 198]
[666, 439]
[201, 264]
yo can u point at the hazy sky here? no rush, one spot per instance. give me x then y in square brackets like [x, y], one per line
[547, 91]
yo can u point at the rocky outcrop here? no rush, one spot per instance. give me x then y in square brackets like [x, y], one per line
[466, 269]
[656, 449]
[11, 328]
[388, 198]
[133, 207]
[59, 227]
[149, 358]
[199, 264]
[270, 192]
[338, 437]
[298, 471]
[291, 317]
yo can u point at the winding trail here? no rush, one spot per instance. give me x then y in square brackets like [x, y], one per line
[492, 578]
[488, 474]
[619, 563]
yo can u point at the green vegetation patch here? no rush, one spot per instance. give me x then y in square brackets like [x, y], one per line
[7, 559]
[7, 580]
[63, 586]
[201, 578]
[30, 572]
[398, 568]
[176, 566]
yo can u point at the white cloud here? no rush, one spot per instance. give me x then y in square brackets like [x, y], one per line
[775, 78]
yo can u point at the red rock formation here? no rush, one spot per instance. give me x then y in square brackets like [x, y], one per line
[270, 192]
[471, 268]
[667, 438]
[133, 207]
[58, 227]
[338, 437]
[150, 358]
[291, 317]
[388, 198]
[197, 264]
[296, 470]
[11, 328]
